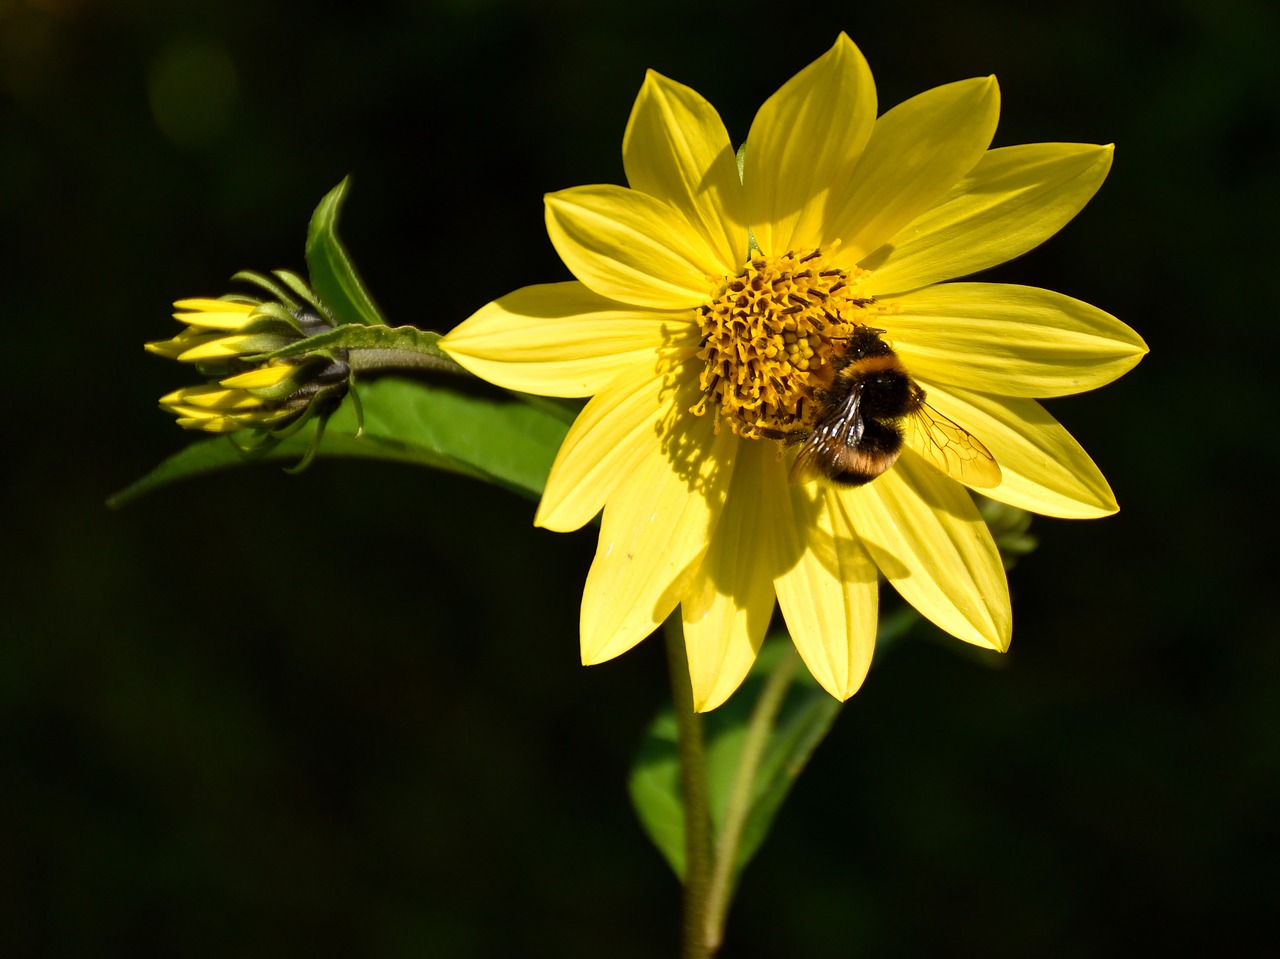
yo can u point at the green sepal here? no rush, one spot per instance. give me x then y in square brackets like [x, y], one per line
[493, 438]
[333, 276]
[273, 318]
[355, 336]
[299, 286]
[275, 313]
[289, 288]
[256, 443]
[313, 447]
[805, 717]
[262, 339]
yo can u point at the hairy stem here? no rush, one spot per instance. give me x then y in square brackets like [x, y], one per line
[693, 785]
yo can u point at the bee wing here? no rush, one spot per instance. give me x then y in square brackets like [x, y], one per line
[821, 449]
[952, 448]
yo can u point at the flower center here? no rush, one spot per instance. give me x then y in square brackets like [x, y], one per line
[769, 338]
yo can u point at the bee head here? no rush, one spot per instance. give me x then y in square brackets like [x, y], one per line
[863, 343]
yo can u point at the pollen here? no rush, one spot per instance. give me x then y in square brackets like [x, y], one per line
[770, 336]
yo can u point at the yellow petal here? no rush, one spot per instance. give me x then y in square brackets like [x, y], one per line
[561, 339]
[608, 439]
[226, 316]
[1010, 340]
[169, 349]
[260, 378]
[210, 424]
[215, 347]
[631, 247]
[202, 304]
[1043, 468]
[917, 152]
[727, 609]
[930, 542]
[656, 527]
[210, 397]
[827, 588]
[802, 148]
[188, 339]
[677, 149]
[192, 413]
[1015, 199]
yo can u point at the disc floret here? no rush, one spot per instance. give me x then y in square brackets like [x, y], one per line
[770, 336]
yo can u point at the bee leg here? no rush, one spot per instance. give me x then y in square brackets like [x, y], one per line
[787, 438]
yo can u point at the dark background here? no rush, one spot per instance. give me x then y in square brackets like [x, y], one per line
[342, 714]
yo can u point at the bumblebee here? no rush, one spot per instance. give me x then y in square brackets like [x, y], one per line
[862, 417]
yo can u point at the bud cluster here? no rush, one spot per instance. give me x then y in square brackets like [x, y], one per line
[236, 343]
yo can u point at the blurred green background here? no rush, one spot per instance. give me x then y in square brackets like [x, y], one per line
[342, 714]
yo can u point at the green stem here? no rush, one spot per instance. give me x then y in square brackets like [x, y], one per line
[741, 795]
[377, 359]
[693, 784]
[374, 347]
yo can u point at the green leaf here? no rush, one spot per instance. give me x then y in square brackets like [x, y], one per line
[806, 715]
[654, 785]
[805, 719]
[333, 276]
[497, 439]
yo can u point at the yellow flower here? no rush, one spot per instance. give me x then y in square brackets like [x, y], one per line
[711, 318]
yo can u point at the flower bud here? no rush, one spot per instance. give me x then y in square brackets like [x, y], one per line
[233, 342]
